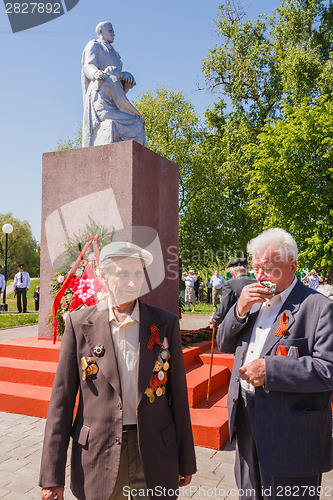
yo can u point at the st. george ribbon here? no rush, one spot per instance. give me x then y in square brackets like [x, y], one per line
[26, 14]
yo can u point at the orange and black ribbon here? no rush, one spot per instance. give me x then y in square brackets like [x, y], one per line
[154, 337]
[283, 326]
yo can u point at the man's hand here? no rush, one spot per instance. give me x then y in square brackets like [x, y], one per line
[250, 295]
[211, 320]
[254, 373]
[53, 493]
[184, 480]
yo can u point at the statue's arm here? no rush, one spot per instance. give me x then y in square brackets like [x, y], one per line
[90, 63]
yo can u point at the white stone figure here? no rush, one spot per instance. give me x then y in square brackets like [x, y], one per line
[108, 116]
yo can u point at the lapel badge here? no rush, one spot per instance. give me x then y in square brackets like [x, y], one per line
[99, 350]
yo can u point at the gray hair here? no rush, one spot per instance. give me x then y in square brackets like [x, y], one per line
[276, 238]
[238, 270]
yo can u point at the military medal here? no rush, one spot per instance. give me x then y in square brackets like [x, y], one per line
[166, 366]
[99, 350]
[159, 391]
[157, 366]
[88, 366]
[293, 352]
[282, 351]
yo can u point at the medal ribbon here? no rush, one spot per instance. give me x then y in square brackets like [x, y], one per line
[283, 326]
[154, 337]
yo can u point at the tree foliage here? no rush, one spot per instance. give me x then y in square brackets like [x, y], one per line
[292, 179]
[22, 247]
[268, 72]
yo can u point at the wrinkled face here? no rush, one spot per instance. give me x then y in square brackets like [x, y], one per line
[274, 267]
[216, 272]
[107, 32]
[124, 279]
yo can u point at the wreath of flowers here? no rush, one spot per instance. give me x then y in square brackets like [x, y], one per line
[85, 287]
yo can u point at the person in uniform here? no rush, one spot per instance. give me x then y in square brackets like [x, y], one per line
[21, 286]
[132, 432]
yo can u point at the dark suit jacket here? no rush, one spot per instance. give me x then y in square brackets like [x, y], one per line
[164, 427]
[231, 291]
[292, 412]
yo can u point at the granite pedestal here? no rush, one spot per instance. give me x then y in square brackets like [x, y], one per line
[117, 186]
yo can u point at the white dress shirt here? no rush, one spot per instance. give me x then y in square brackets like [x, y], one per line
[25, 283]
[217, 281]
[125, 338]
[190, 280]
[266, 317]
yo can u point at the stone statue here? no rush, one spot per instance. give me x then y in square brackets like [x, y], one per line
[108, 115]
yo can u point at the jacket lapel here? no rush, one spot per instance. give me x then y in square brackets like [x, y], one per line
[147, 357]
[96, 330]
[291, 307]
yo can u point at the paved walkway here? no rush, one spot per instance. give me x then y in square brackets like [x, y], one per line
[21, 440]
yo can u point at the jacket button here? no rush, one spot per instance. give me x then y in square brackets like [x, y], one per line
[234, 400]
[118, 440]
[237, 379]
[119, 406]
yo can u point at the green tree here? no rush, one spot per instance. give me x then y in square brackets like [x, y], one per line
[22, 247]
[258, 67]
[292, 179]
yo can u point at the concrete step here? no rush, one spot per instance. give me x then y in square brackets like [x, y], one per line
[197, 381]
[24, 399]
[27, 371]
[31, 348]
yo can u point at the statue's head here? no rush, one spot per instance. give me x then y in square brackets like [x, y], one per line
[104, 31]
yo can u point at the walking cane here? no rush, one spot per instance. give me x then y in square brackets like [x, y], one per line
[211, 364]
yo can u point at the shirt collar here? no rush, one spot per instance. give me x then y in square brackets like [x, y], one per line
[285, 293]
[134, 316]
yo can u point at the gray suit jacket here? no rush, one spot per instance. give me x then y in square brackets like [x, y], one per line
[292, 413]
[231, 291]
[164, 427]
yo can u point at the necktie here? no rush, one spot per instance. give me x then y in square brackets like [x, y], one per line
[21, 277]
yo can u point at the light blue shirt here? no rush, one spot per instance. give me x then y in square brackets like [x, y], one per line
[2, 283]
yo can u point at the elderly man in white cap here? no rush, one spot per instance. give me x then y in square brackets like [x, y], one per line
[132, 433]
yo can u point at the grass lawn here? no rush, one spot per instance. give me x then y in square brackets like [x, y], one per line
[200, 308]
[8, 320]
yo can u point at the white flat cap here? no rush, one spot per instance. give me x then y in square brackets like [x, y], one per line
[125, 249]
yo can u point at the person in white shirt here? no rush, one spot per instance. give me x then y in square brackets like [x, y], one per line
[217, 282]
[2, 282]
[311, 279]
[189, 279]
[21, 286]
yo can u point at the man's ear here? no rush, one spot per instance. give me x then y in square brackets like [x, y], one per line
[293, 264]
[102, 274]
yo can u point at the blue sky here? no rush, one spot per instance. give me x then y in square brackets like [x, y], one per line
[162, 43]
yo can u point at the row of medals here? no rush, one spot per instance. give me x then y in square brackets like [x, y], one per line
[160, 368]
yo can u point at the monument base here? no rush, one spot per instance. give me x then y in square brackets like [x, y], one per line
[116, 187]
